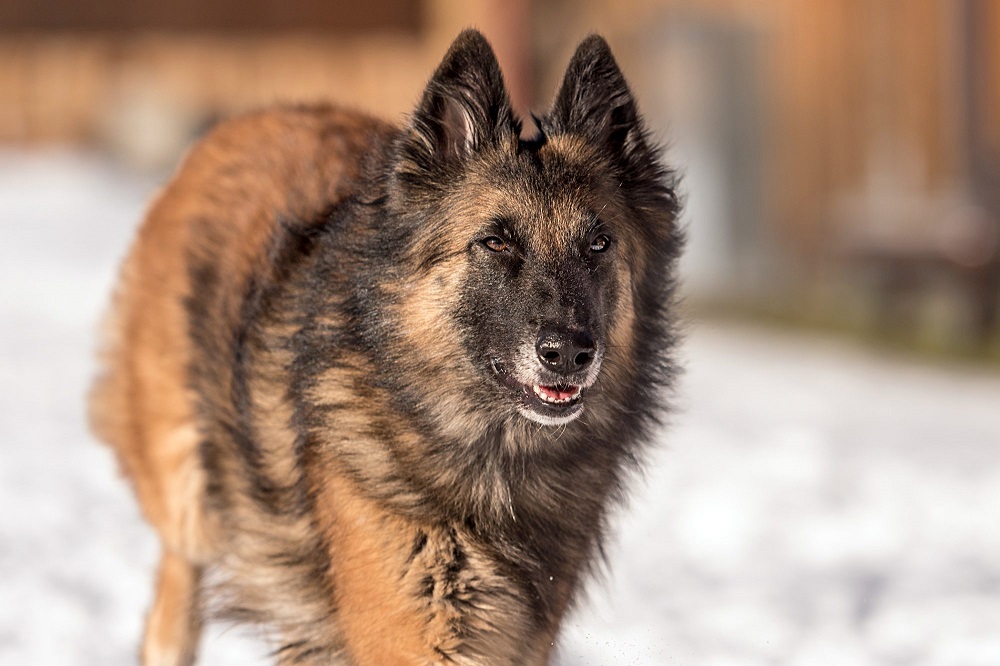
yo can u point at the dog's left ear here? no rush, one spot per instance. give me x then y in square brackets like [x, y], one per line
[595, 101]
[465, 106]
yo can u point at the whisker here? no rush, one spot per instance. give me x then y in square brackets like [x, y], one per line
[620, 183]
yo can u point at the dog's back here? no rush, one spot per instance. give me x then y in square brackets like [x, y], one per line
[281, 166]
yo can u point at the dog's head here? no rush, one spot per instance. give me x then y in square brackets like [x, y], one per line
[538, 268]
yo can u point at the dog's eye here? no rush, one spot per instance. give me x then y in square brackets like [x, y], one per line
[495, 244]
[600, 243]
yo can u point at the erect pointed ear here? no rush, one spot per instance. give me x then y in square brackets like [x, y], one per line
[465, 106]
[595, 100]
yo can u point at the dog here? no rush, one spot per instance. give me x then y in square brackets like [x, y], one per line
[377, 387]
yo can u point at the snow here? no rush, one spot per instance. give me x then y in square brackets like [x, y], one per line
[812, 503]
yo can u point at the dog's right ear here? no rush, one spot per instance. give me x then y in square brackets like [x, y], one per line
[464, 108]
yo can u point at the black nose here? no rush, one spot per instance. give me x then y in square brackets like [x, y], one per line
[565, 351]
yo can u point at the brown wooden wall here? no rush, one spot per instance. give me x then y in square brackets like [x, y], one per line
[115, 16]
[991, 76]
[63, 88]
[864, 89]
[59, 84]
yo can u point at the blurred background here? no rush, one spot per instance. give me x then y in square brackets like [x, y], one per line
[829, 490]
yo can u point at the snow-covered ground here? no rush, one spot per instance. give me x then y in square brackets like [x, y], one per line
[812, 503]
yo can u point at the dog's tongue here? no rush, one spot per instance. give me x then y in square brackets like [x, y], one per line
[559, 392]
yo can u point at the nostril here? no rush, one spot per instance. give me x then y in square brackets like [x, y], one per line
[565, 351]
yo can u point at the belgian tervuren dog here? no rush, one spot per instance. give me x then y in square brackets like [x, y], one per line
[376, 387]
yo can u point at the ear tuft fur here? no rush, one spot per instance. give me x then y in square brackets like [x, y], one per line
[465, 106]
[594, 100]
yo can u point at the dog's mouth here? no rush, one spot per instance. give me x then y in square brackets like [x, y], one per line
[548, 404]
[557, 395]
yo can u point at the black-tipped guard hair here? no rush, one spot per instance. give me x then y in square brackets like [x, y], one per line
[465, 106]
[594, 100]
